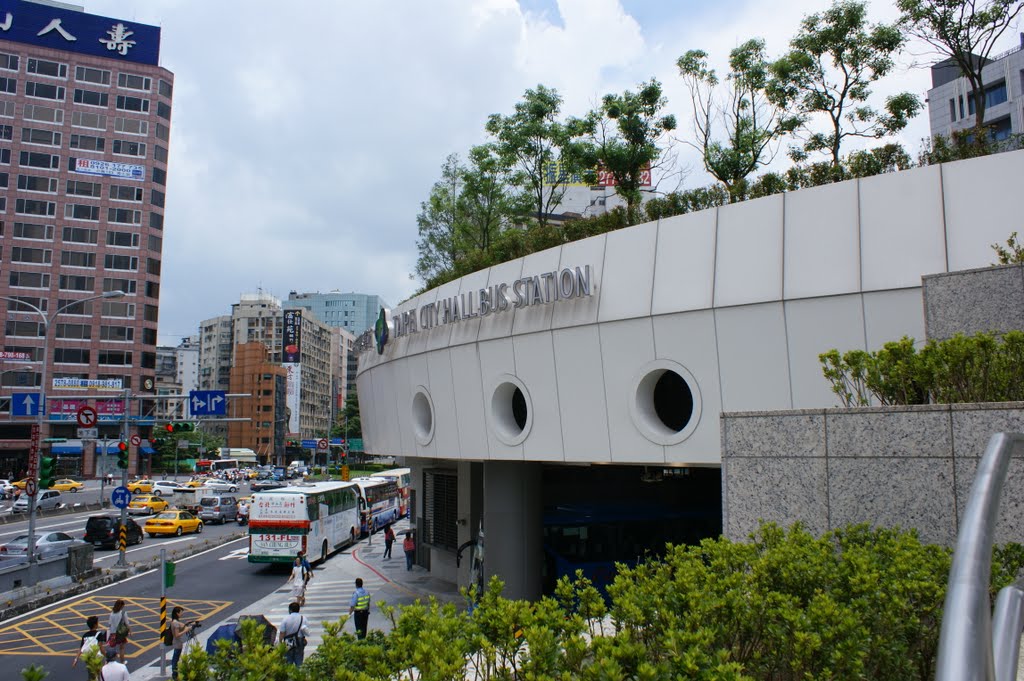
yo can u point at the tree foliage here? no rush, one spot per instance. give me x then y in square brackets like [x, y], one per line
[438, 222]
[626, 134]
[736, 129]
[349, 423]
[965, 31]
[828, 72]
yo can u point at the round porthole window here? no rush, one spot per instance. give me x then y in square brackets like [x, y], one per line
[666, 405]
[511, 410]
[422, 416]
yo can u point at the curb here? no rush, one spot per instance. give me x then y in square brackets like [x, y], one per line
[101, 579]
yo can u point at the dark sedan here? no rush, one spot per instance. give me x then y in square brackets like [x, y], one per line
[264, 485]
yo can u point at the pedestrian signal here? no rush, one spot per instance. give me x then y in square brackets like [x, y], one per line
[122, 454]
[168, 574]
[47, 472]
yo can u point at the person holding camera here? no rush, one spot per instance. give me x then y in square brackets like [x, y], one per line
[180, 631]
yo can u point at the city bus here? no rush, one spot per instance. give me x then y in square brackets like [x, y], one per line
[318, 518]
[403, 478]
[378, 503]
[210, 466]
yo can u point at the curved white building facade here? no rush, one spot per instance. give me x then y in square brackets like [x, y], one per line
[625, 348]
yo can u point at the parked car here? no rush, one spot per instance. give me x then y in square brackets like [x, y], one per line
[46, 500]
[219, 509]
[47, 545]
[270, 483]
[103, 530]
[147, 505]
[67, 485]
[173, 522]
[20, 484]
[140, 486]
[220, 486]
[165, 488]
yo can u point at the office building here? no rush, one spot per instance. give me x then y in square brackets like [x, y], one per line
[85, 112]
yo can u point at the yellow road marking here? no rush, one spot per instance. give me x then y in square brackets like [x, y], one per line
[59, 631]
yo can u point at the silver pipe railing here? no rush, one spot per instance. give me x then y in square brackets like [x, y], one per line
[968, 651]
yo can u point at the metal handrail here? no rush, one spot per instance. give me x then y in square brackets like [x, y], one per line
[968, 651]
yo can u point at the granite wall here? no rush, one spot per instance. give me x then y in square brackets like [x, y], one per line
[891, 466]
[969, 301]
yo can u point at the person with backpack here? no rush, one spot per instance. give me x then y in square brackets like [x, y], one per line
[92, 640]
[118, 628]
[293, 632]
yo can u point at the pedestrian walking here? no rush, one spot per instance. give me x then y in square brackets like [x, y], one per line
[293, 632]
[297, 579]
[307, 569]
[179, 635]
[389, 539]
[359, 608]
[409, 546]
[92, 641]
[114, 669]
[118, 629]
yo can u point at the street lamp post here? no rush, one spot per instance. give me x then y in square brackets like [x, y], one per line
[33, 463]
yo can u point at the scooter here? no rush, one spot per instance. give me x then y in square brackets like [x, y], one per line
[243, 519]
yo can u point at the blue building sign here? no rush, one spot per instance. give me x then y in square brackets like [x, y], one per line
[64, 29]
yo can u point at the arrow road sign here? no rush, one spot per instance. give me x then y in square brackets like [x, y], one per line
[208, 402]
[86, 416]
[25, 404]
[120, 497]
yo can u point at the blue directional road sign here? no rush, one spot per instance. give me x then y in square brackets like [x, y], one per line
[24, 404]
[120, 497]
[208, 403]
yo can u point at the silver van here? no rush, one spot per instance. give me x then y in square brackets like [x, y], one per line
[218, 508]
[46, 500]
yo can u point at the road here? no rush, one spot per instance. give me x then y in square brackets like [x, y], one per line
[213, 586]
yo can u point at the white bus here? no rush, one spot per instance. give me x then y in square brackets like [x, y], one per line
[379, 503]
[317, 518]
[402, 478]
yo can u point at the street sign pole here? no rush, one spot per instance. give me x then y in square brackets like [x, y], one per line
[163, 611]
[121, 562]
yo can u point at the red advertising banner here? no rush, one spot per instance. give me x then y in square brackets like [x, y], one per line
[10, 354]
[68, 409]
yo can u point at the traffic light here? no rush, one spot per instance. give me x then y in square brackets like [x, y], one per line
[47, 472]
[181, 427]
[122, 454]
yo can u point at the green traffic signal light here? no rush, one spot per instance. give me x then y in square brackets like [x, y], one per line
[181, 427]
[169, 576]
[47, 472]
[122, 455]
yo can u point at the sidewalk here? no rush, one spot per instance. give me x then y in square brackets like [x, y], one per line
[329, 592]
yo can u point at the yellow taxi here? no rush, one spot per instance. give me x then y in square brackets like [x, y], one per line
[147, 505]
[140, 486]
[66, 485]
[20, 484]
[173, 522]
[192, 483]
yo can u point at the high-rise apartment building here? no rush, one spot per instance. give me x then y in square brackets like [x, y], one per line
[258, 373]
[353, 313]
[85, 112]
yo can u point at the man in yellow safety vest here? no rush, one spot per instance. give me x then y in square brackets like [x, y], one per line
[359, 606]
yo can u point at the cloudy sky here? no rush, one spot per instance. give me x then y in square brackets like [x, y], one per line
[306, 134]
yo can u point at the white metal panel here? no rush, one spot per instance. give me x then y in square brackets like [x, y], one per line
[418, 341]
[689, 339]
[580, 254]
[496, 361]
[901, 228]
[626, 346]
[531, 318]
[442, 393]
[469, 403]
[748, 261]
[983, 206]
[684, 269]
[890, 315]
[822, 241]
[628, 275]
[466, 331]
[583, 410]
[418, 375]
[815, 326]
[399, 346]
[368, 414]
[752, 357]
[384, 401]
[401, 395]
[535, 367]
[500, 325]
[439, 336]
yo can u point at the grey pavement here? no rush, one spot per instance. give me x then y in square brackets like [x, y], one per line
[329, 592]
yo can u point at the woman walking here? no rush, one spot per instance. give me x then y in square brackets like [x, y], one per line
[297, 579]
[118, 629]
[389, 539]
[409, 546]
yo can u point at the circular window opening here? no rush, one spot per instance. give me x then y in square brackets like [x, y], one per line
[666, 408]
[422, 417]
[673, 401]
[511, 411]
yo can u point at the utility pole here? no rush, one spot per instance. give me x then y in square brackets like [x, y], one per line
[121, 562]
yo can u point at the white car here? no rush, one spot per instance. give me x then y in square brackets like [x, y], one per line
[51, 544]
[220, 486]
[166, 488]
